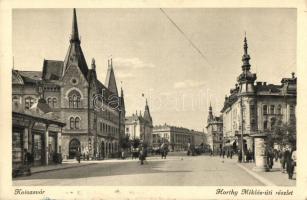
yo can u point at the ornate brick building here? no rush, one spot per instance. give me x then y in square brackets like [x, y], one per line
[94, 113]
[256, 107]
[214, 131]
[140, 127]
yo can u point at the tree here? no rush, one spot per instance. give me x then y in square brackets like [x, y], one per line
[135, 142]
[125, 144]
[282, 134]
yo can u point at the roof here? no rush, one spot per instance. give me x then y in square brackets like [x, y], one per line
[52, 69]
[28, 76]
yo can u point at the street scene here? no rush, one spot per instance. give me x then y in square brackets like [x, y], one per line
[179, 102]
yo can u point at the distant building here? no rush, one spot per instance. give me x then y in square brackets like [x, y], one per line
[94, 113]
[257, 106]
[140, 127]
[177, 137]
[214, 131]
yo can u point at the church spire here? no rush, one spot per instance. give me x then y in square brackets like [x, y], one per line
[74, 31]
[74, 54]
[210, 115]
[93, 64]
[245, 58]
[110, 79]
[147, 115]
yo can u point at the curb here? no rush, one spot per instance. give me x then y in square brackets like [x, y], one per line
[55, 169]
[255, 175]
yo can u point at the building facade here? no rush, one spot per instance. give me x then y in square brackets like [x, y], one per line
[93, 112]
[256, 107]
[140, 127]
[177, 137]
[214, 131]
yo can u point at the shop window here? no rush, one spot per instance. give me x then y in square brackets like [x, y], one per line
[17, 146]
[37, 147]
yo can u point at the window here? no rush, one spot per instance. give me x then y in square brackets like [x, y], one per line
[72, 123]
[54, 102]
[265, 125]
[74, 99]
[279, 109]
[15, 102]
[253, 124]
[265, 109]
[100, 124]
[127, 129]
[77, 123]
[273, 120]
[272, 109]
[29, 101]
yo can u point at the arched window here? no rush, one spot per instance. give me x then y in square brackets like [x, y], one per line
[29, 101]
[74, 98]
[77, 123]
[71, 102]
[49, 100]
[265, 109]
[72, 123]
[54, 102]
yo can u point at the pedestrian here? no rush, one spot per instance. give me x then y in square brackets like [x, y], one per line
[223, 153]
[141, 155]
[78, 155]
[293, 159]
[231, 152]
[289, 163]
[239, 156]
[282, 160]
[228, 154]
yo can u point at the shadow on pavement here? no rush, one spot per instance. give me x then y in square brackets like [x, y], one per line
[103, 169]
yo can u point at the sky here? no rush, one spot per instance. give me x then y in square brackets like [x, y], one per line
[152, 57]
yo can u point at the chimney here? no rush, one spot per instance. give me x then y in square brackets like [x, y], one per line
[264, 83]
[259, 83]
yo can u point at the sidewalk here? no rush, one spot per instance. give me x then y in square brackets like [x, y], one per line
[72, 163]
[273, 177]
[64, 165]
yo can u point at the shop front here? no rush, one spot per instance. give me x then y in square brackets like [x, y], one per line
[36, 135]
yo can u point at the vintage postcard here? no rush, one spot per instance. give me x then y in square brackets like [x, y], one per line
[164, 100]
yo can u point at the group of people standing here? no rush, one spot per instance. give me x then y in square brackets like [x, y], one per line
[287, 158]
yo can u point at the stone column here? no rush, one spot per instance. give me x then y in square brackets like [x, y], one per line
[260, 157]
[59, 142]
[26, 139]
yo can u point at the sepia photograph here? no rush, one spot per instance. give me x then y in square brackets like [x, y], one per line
[154, 97]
